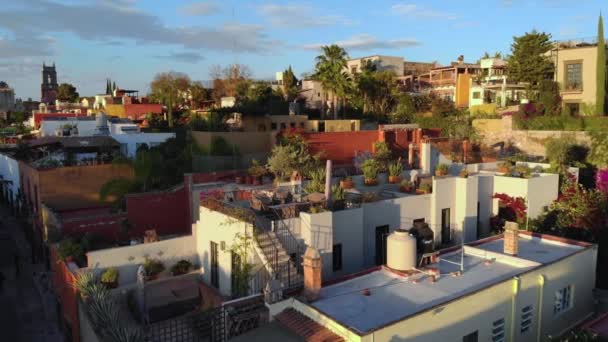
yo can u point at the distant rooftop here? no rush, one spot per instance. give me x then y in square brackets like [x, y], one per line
[395, 296]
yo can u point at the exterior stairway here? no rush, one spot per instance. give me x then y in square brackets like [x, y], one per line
[279, 261]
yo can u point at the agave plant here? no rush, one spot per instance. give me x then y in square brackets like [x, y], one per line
[85, 283]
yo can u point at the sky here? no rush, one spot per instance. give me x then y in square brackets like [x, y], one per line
[130, 41]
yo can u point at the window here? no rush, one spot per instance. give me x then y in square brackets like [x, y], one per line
[446, 234]
[283, 125]
[526, 318]
[353, 69]
[273, 126]
[574, 76]
[292, 125]
[215, 280]
[563, 300]
[472, 337]
[476, 95]
[337, 257]
[498, 330]
[573, 108]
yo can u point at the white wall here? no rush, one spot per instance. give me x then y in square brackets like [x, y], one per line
[217, 227]
[485, 188]
[127, 259]
[539, 191]
[132, 140]
[9, 169]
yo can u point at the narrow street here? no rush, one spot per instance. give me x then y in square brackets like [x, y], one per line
[28, 305]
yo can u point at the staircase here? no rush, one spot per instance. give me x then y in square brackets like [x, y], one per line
[278, 261]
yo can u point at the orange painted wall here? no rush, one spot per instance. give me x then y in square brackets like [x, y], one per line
[462, 90]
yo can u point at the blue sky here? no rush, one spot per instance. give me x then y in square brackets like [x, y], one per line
[131, 40]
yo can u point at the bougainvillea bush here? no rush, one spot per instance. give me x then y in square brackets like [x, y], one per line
[601, 180]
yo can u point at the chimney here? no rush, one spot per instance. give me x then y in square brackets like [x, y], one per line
[410, 155]
[328, 182]
[312, 274]
[511, 242]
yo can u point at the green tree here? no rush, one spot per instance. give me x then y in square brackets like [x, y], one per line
[197, 94]
[329, 70]
[167, 88]
[600, 96]
[290, 85]
[528, 61]
[108, 87]
[67, 93]
[598, 155]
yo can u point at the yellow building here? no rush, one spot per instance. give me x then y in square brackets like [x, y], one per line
[575, 71]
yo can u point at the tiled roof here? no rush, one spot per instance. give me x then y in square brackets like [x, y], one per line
[305, 327]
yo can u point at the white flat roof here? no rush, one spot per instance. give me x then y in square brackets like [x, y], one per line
[395, 297]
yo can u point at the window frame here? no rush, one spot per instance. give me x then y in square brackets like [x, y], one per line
[581, 86]
[570, 290]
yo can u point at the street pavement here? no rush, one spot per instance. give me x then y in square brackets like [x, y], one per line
[27, 304]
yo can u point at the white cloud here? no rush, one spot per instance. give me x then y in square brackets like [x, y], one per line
[362, 42]
[415, 11]
[30, 21]
[200, 8]
[184, 57]
[296, 15]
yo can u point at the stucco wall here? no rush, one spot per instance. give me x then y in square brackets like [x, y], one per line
[588, 56]
[477, 311]
[538, 191]
[127, 259]
[247, 142]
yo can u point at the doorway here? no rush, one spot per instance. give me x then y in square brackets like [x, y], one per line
[215, 280]
[446, 234]
[381, 235]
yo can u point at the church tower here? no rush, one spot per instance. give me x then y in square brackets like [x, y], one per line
[49, 85]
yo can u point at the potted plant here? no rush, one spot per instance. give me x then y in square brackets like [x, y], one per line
[370, 171]
[425, 189]
[337, 197]
[256, 171]
[153, 267]
[522, 171]
[347, 183]
[394, 172]
[110, 278]
[406, 186]
[464, 173]
[69, 250]
[181, 267]
[504, 167]
[442, 170]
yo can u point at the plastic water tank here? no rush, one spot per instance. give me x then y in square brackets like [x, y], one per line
[401, 251]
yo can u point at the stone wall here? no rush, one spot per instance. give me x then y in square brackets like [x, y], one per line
[497, 131]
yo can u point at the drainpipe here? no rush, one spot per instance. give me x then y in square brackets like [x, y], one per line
[516, 281]
[541, 292]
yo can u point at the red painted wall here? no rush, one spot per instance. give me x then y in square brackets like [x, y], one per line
[340, 147]
[167, 212]
[103, 223]
[38, 117]
[137, 111]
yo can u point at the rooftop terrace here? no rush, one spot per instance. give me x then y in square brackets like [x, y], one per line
[395, 296]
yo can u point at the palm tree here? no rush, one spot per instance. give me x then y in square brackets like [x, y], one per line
[365, 83]
[329, 70]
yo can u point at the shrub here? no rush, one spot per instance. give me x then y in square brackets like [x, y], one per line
[425, 188]
[317, 181]
[256, 170]
[370, 168]
[394, 169]
[442, 169]
[110, 276]
[382, 154]
[464, 173]
[68, 248]
[406, 183]
[337, 193]
[153, 267]
[486, 109]
[181, 267]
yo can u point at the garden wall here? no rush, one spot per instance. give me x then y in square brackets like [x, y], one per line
[165, 211]
[496, 131]
[127, 259]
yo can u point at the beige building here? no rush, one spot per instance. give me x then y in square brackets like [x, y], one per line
[575, 71]
[517, 287]
[382, 63]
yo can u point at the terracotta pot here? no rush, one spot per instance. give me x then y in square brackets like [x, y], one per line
[406, 189]
[439, 173]
[394, 179]
[248, 179]
[504, 169]
[421, 192]
[370, 182]
[257, 180]
[347, 184]
[238, 179]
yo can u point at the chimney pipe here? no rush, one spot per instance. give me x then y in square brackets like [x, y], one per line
[312, 274]
[410, 155]
[328, 182]
[425, 156]
[511, 242]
